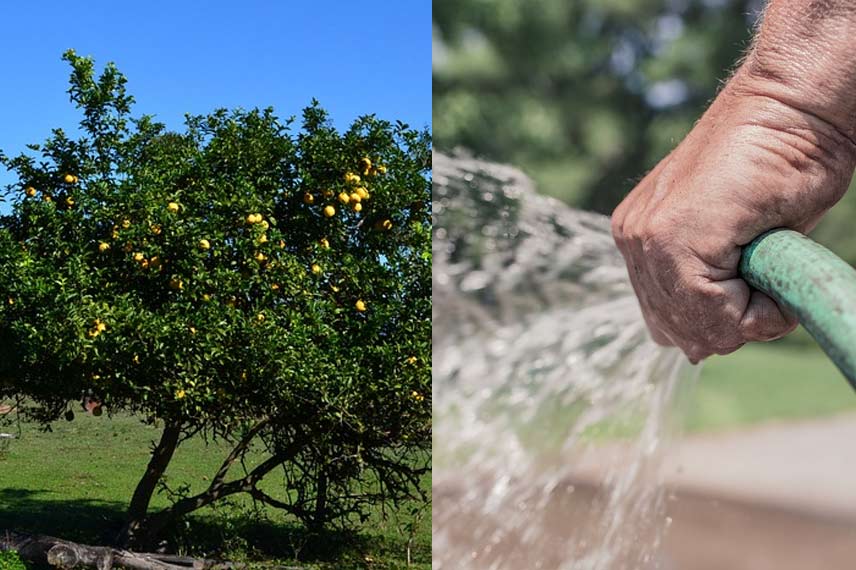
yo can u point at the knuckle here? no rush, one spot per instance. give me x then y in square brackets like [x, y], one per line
[617, 226]
[657, 234]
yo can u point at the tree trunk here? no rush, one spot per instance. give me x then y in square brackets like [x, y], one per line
[139, 506]
[319, 517]
[148, 528]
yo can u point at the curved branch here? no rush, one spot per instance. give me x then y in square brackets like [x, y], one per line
[217, 490]
[237, 452]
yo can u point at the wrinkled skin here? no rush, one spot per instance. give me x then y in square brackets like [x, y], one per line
[752, 163]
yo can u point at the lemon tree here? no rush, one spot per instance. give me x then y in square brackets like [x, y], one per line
[257, 280]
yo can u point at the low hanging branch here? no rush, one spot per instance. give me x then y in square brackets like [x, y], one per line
[40, 550]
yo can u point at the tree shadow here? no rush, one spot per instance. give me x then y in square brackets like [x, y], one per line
[218, 533]
[81, 520]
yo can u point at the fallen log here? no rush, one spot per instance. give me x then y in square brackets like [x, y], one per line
[64, 554]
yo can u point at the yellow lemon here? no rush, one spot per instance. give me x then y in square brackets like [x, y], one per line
[69, 201]
[206, 297]
[30, 191]
[386, 224]
[344, 198]
[411, 360]
[155, 262]
[327, 193]
[204, 244]
[260, 257]
[180, 394]
[176, 284]
[366, 163]
[282, 243]
[352, 178]
[324, 243]
[308, 198]
[355, 197]
[316, 269]
[69, 178]
[358, 207]
[47, 198]
[274, 286]
[102, 247]
[138, 257]
[126, 224]
[173, 207]
[334, 288]
[260, 317]
[381, 169]
[156, 229]
[251, 218]
[362, 193]
[360, 305]
[329, 211]
[264, 225]
[263, 238]
[136, 359]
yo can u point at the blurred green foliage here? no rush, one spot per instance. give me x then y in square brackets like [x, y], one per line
[587, 95]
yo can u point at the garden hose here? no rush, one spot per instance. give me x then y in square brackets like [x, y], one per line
[814, 284]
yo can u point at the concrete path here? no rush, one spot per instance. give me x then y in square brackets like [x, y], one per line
[808, 466]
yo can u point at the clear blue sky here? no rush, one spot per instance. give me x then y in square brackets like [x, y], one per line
[192, 56]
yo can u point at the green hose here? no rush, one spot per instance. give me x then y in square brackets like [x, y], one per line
[814, 284]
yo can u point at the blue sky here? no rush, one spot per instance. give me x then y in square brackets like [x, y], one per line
[192, 56]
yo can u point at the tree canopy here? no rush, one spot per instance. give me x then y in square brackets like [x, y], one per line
[260, 280]
[586, 95]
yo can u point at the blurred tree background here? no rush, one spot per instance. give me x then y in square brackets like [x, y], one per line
[587, 95]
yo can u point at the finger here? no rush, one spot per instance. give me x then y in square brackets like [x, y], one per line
[658, 335]
[729, 349]
[695, 353]
[636, 270]
[723, 307]
[764, 320]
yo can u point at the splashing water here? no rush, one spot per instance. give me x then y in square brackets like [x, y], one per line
[551, 403]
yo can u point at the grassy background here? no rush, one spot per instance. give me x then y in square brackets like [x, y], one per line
[783, 380]
[75, 483]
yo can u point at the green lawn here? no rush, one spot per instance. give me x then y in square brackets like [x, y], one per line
[765, 382]
[75, 483]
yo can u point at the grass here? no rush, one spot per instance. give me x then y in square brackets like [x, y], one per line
[767, 382]
[75, 482]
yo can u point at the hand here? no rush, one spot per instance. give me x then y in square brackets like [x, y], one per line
[752, 163]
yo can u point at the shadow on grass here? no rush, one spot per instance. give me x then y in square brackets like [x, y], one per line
[37, 511]
[224, 532]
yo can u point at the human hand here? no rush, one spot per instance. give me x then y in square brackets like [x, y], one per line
[752, 163]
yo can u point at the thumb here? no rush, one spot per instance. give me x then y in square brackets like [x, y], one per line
[764, 320]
